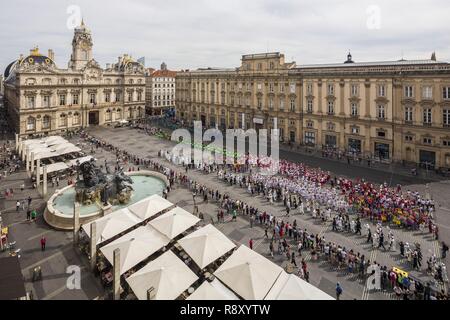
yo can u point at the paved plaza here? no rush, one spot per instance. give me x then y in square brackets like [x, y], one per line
[60, 252]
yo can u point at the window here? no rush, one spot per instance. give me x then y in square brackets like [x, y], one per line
[354, 109]
[75, 99]
[292, 87]
[354, 90]
[92, 98]
[409, 91]
[107, 97]
[355, 130]
[281, 103]
[330, 89]
[381, 112]
[46, 101]
[309, 88]
[271, 103]
[259, 86]
[271, 65]
[281, 87]
[381, 90]
[259, 103]
[309, 124]
[408, 114]
[30, 101]
[46, 122]
[330, 107]
[446, 93]
[446, 117]
[76, 118]
[130, 96]
[309, 106]
[270, 87]
[310, 138]
[427, 116]
[62, 99]
[427, 140]
[331, 126]
[108, 115]
[292, 104]
[381, 134]
[446, 143]
[139, 96]
[31, 123]
[117, 96]
[408, 138]
[62, 120]
[427, 92]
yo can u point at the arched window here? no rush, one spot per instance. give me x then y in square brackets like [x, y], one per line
[62, 120]
[108, 115]
[31, 123]
[119, 114]
[46, 122]
[76, 118]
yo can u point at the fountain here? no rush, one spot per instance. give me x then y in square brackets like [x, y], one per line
[100, 193]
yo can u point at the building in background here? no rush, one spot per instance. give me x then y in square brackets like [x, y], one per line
[160, 90]
[42, 98]
[389, 111]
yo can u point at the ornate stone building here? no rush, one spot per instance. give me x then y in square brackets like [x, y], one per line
[390, 110]
[42, 98]
[160, 90]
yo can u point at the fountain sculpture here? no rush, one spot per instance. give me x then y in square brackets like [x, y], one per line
[113, 188]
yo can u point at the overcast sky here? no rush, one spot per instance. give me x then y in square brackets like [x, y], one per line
[188, 34]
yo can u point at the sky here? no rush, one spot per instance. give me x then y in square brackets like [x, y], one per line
[188, 34]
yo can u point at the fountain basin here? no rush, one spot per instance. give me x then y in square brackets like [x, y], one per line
[59, 210]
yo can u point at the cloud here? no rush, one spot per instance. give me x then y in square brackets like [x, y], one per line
[201, 33]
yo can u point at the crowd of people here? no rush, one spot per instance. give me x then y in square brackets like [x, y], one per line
[284, 238]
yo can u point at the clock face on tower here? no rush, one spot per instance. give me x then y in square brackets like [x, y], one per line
[84, 45]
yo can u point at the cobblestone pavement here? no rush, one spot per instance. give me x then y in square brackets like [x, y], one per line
[60, 253]
[321, 273]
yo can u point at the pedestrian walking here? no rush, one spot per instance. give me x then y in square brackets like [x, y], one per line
[29, 200]
[17, 206]
[250, 243]
[338, 291]
[43, 242]
[28, 214]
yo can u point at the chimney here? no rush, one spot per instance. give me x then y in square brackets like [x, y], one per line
[51, 54]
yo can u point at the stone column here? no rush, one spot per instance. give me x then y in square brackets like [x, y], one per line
[93, 243]
[116, 274]
[44, 181]
[76, 222]
[38, 174]
[32, 162]
[19, 147]
[27, 160]
[17, 142]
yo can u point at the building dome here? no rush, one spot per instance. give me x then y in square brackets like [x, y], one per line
[9, 69]
[36, 58]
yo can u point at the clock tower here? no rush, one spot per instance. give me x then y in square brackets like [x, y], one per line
[81, 48]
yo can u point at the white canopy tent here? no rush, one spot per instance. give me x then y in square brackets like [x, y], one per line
[206, 245]
[58, 166]
[112, 224]
[167, 277]
[291, 287]
[150, 206]
[82, 160]
[135, 246]
[174, 222]
[248, 273]
[213, 290]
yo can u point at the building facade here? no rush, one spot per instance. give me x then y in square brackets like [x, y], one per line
[390, 111]
[160, 90]
[42, 98]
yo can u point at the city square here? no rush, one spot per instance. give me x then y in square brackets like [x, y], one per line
[265, 179]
